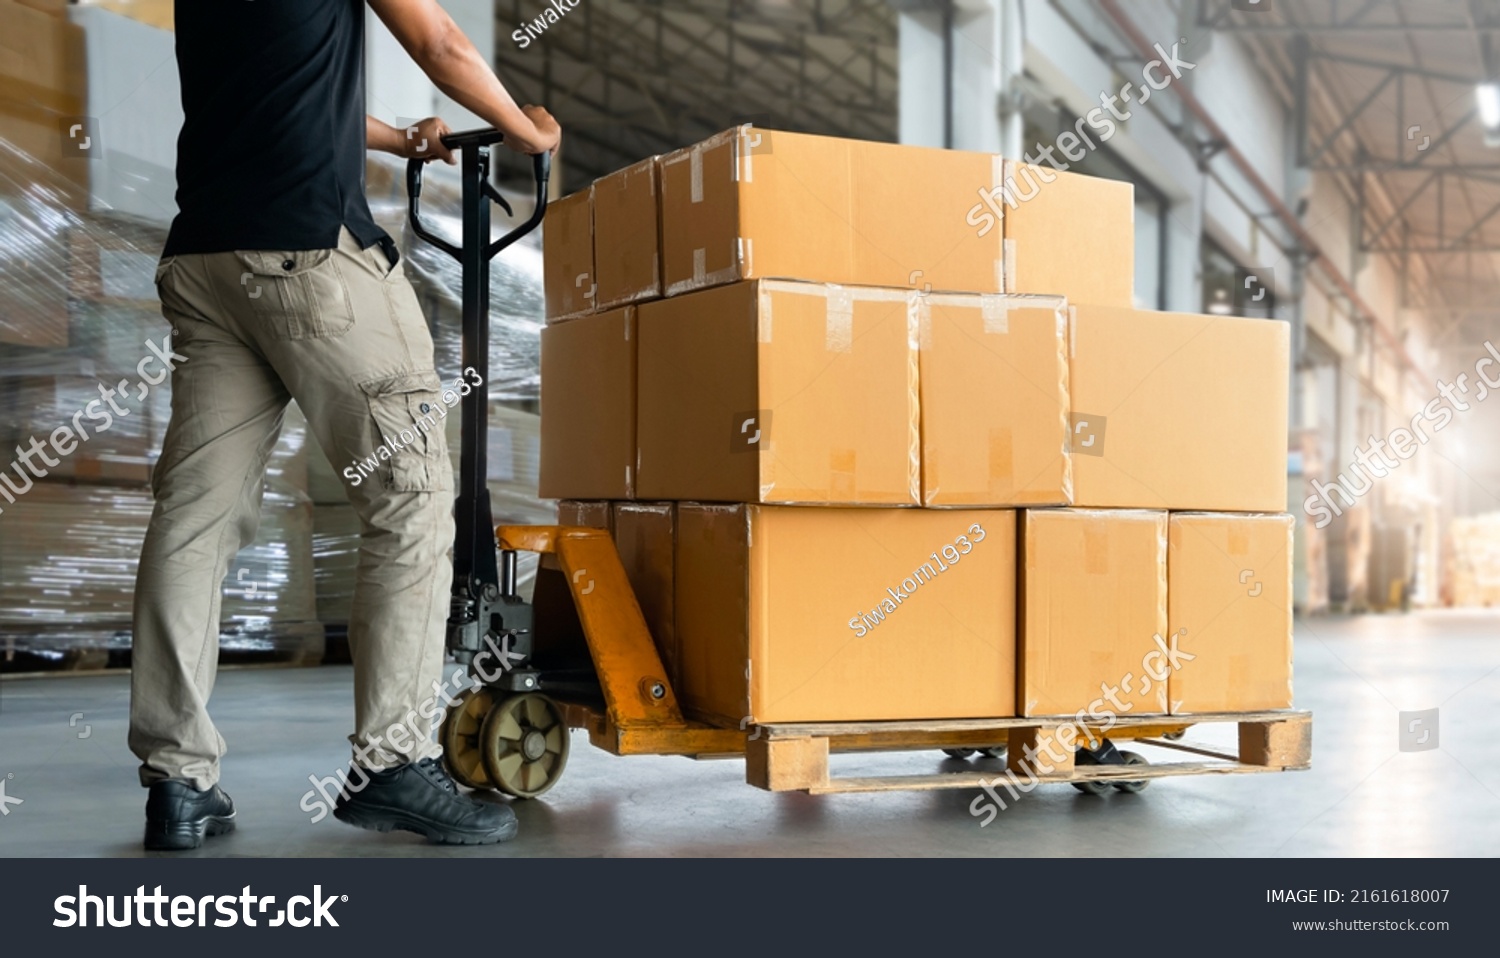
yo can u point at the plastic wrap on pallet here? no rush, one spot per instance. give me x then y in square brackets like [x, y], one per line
[516, 308]
[78, 307]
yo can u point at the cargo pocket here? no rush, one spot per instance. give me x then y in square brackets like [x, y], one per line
[408, 434]
[300, 295]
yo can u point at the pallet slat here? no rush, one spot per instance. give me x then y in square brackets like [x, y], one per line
[1133, 773]
[795, 757]
[837, 729]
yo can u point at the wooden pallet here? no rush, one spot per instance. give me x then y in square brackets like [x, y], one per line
[787, 758]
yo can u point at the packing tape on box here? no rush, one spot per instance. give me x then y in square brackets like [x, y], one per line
[1008, 251]
[919, 316]
[751, 138]
[702, 278]
[995, 309]
[839, 326]
[996, 314]
[839, 310]
[696, 174]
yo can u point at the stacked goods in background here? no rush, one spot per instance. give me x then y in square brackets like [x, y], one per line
[898, 461]
[43, 84]
[80, 380]
[78, 307]
[1473, 573]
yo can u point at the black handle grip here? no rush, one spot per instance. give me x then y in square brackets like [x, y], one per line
[541, 172]
[414, 209]
[468, 138]
[481, 139]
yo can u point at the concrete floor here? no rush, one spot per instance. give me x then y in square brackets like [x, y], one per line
[1363, 797]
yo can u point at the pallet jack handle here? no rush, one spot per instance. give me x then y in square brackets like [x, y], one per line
[480, 584]
[479, 142]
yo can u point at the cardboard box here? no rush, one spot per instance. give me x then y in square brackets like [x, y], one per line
[994, 382]
[157, 13]
[44, 52]
[627, 236]
[586, 515]
[791, 615]
[1229, 606]
[751, 203]
[1177, 411]
[43, 87]
[1069, 235]
[1093, 606]
[645, 534]
[568, 257]
[588, 407]
[771, 391]
[34, 296]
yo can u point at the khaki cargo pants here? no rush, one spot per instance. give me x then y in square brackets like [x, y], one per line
[341, 332]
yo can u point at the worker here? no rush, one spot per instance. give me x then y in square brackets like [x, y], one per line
[279, 285]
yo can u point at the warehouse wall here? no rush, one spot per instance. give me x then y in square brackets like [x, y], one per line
[397, 89]
[1364, 388]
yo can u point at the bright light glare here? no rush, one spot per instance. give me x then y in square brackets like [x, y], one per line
[1488, 95]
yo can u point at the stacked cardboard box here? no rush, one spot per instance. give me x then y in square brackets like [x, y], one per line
[44, 86]
[906, 460]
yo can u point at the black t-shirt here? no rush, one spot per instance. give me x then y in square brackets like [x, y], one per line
[272, 150]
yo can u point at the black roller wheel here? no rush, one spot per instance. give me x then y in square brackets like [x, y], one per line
[1133, 758]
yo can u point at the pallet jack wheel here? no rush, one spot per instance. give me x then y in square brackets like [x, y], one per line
[1133, 758]
[1092, 787]
[460, 733]
[524, 744]
[959, 753]
[997, 751]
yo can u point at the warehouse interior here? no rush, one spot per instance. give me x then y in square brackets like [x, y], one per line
[1327, 169]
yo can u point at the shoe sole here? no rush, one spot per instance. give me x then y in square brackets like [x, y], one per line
[381, 819]
[185, 836]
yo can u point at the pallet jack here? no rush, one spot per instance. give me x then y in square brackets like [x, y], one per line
[580, 654]
[597, 667]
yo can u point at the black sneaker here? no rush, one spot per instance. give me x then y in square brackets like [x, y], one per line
[179, 817]
[421, 798]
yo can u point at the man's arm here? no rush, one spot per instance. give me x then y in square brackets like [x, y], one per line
[423, 141]
[450, 60]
